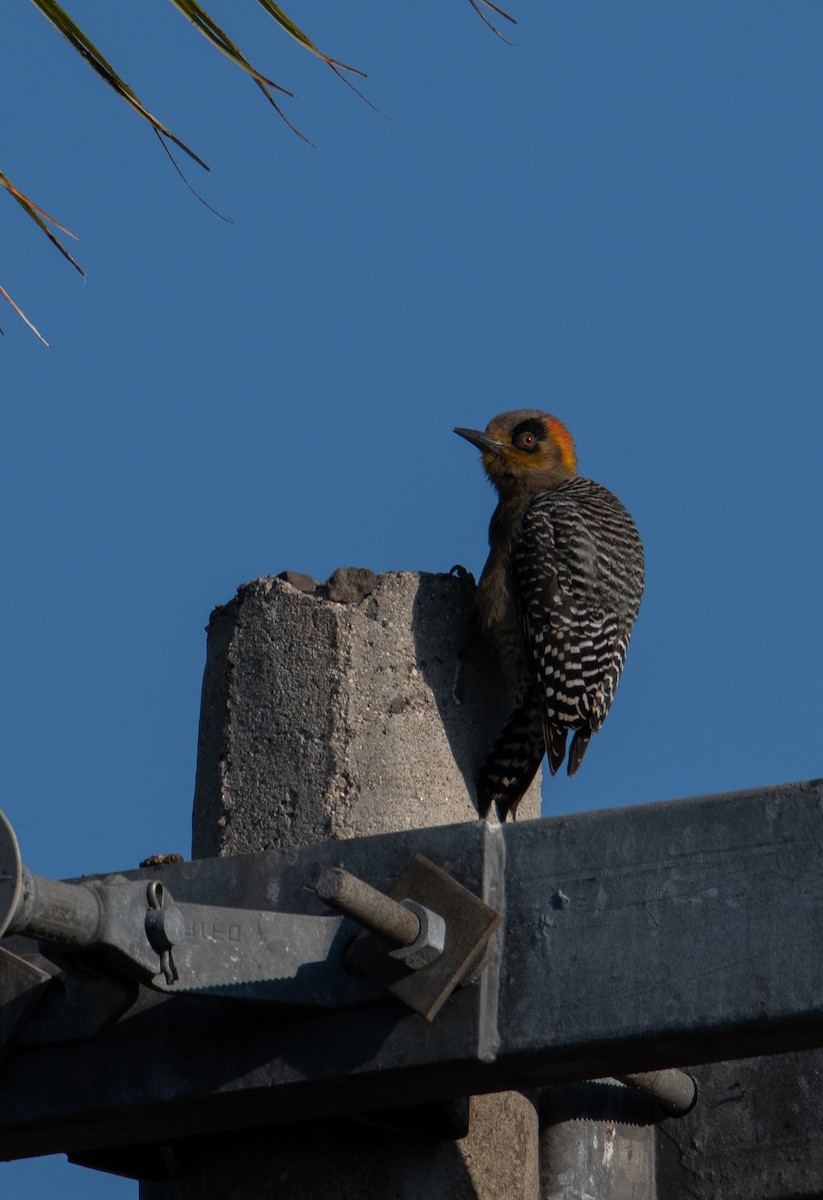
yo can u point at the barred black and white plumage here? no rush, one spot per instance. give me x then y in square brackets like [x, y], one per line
[566, 566]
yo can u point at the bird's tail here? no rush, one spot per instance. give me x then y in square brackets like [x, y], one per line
[513, 761]
[579, 746]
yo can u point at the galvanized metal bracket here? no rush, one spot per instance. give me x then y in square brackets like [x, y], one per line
[634, 940]
[117, 932]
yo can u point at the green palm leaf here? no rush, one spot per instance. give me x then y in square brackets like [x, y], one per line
[22, 315]
[212, 32]
[217, 37]
[501, 12]
[63, 23]
[42, 219]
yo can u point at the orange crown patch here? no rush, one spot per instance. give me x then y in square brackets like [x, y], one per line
[564, 440]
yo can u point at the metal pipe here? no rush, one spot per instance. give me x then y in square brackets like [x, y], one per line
[365, 904]
[674, 1090]
[58, 912]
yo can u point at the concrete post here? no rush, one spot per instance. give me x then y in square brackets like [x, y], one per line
[334, 711]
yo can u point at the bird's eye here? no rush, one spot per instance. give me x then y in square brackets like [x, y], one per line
[525, 441]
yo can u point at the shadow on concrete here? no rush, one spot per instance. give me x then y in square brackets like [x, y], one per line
[473, 699]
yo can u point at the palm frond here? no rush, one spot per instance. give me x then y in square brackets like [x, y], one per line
[42, 219]
[219, 39]
[286, 23]
[78, 40]
[212, 32]
[22, 315]
[501, 12]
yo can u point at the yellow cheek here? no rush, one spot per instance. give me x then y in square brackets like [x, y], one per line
[513, 460]
[533, 462]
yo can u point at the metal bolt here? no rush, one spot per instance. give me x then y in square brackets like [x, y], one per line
[418, 933]
[674, 1090]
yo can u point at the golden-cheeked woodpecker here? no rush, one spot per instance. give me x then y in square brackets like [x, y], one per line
[557, 599]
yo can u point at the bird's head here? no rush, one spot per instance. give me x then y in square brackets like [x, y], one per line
[526, 450]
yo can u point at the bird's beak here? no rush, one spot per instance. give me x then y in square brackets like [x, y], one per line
[483, 441]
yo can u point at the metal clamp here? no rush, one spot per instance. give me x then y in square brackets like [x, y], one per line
[132, 925]
[118, 928]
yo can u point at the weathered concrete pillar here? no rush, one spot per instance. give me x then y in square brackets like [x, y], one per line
[349, 708]
[335, 711]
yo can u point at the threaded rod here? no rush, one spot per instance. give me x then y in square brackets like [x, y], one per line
[674, 1090]
[365, 904]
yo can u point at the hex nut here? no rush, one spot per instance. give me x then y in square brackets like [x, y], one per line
[430, 941]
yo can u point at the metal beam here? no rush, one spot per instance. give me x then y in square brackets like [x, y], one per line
[633, 939]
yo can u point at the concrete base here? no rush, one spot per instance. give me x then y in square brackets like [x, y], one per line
[343, 1160]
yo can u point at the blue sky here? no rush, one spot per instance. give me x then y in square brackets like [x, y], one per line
[616, 219]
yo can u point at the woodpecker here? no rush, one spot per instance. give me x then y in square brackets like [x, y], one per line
[557, 598]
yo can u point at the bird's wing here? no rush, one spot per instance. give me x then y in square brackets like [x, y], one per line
[570, 634]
